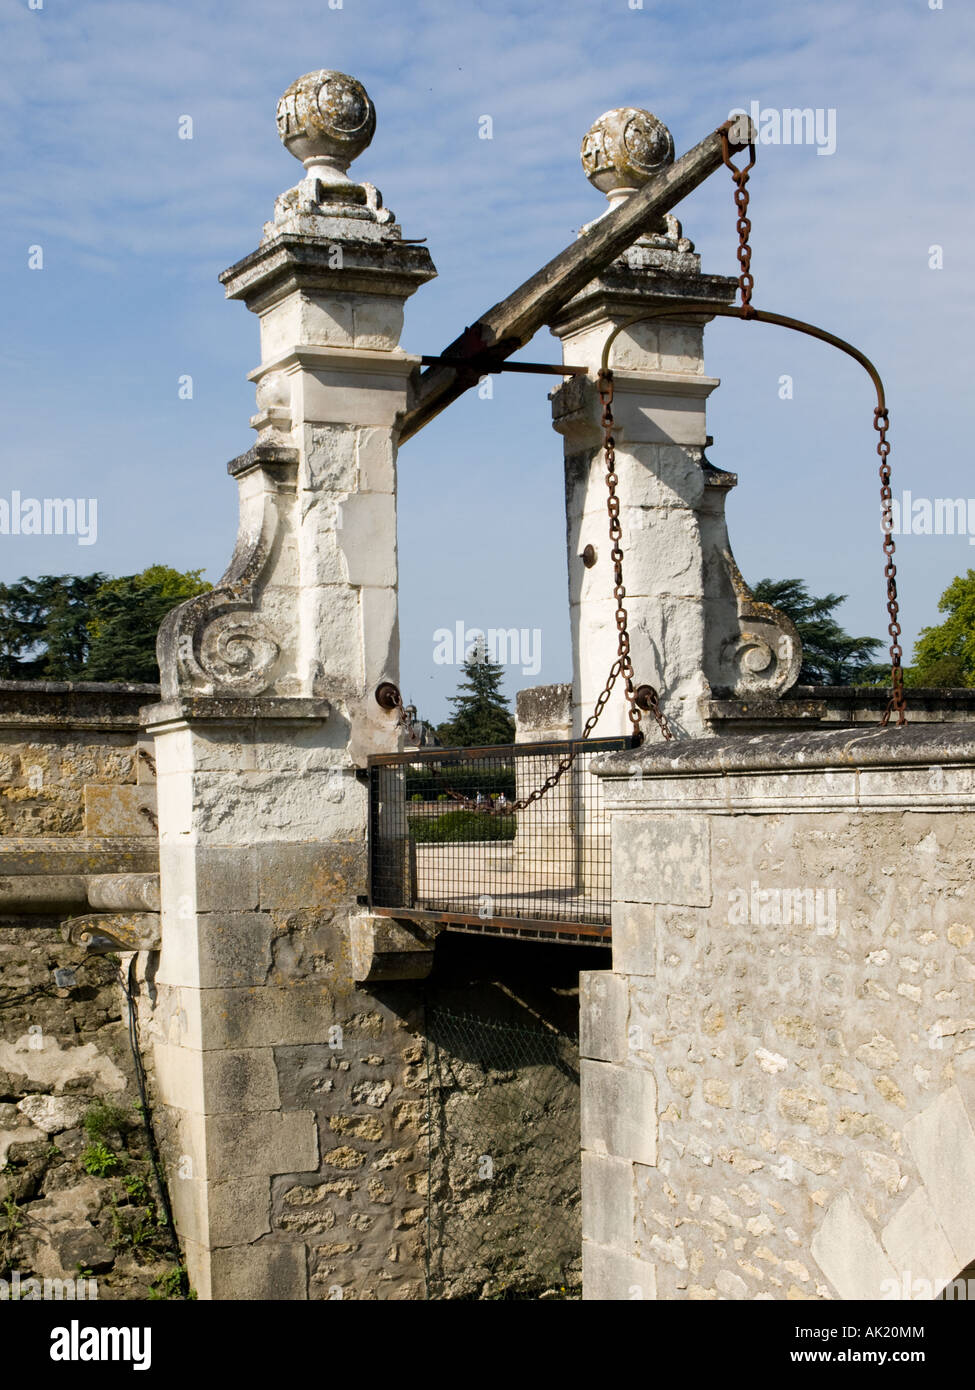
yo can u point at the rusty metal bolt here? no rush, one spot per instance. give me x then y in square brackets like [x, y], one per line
[388, 696]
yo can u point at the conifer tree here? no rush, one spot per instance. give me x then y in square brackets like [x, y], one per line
[482, 715]
[830, 656]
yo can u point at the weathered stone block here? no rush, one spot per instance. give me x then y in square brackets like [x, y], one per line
[216, 950]
[367, 537]
[657, 859]
[848, 1252]
[634, 939]
[321, 875]
[119, 809]
[52, 1114]
[268, 1271]
[261, 1144]
[209, 878]
[254, 1018]
[238, 1210]
[234, 948]
[942, 1141]
[383, 949]
[216, 1082]
[198, 1268]
[608, 1202]
[83, 1249]
[917, 1246]
[619, 1111]
[374, 456]
[610, 1276]
[602, 1015]
[378, 321]
[265, 806]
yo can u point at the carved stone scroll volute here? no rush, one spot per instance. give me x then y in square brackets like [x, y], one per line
[752, 648]
[767, 652]
[238, 638]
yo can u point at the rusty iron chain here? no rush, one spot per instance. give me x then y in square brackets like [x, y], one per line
[623, 665]
[746, 281]
[897, 702]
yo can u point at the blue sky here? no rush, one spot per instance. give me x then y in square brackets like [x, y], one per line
[135, 225]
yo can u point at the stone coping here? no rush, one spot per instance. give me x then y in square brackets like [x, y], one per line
[80, 687]
[235, 708]
[78, 855]
[68, 705]
[812, 704]
[797, 750]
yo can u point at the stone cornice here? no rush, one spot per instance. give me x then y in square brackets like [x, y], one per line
[205, 709]
[623, 290]
[291, 263]
[363, 361]
[67, 705]
[654, 383]
[921, 768]
[801, 750]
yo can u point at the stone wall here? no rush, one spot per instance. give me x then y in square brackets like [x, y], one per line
[77, 1197]
[342, 1106]
[77, 1193]
[324, 1194]
[505, 1216]
[779, 1095]
[72, 763]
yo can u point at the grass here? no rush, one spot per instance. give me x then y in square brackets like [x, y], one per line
[13, 1221]
[103, 1119]
[172, 1284]
[99, 1160]
[13, 1217]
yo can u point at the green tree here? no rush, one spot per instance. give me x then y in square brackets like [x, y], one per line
[125, 618]
[481, 714]
[944, 656]
[88, 627]
[44, 626]
[830, 656]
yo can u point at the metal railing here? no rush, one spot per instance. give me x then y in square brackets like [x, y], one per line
[444, 848]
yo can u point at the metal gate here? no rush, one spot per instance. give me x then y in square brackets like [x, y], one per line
[444, 848]
[503, 1216]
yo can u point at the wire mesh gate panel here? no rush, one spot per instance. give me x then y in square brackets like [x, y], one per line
[504, 1217]
[480, 866]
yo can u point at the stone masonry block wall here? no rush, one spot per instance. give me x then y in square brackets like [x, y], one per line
[512, 1228]
[72, 790]
[357, 1223]
[65, 1065]
[291, 1102]
[317, 1150]
[779, 1084]
[69, 760]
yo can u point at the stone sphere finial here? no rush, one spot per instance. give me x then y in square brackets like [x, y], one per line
[326, 120]
[623, 149]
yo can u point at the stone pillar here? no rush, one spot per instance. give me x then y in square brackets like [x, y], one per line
[778, 1084]
[545, 849]
[261, 1038]
[693, 625]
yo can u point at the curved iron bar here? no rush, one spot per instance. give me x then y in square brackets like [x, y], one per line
[748, 314]
[733, 311]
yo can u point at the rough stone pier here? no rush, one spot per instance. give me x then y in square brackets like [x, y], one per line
[779, 1096]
